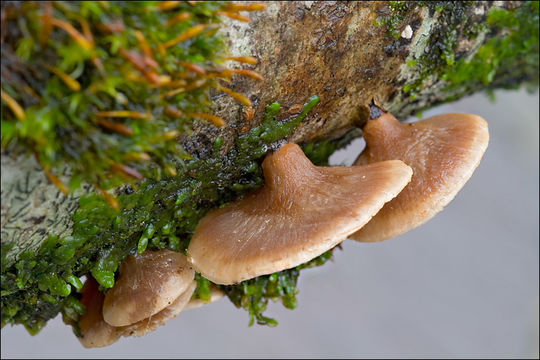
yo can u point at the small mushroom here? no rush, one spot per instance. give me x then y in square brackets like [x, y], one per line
[215, 294]
[94, 331]
[147, 284]
[163, 271]
[443, 152]
[302, 211]
[170, 312]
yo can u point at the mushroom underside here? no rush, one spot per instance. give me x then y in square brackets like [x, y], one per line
[170, 312]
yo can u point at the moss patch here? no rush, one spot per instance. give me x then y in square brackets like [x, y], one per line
[107, 87]
[512, 47]
[253, 295]
[501, 56]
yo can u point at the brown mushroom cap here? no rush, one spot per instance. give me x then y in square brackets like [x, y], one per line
[170, 312]
[215, 294]
[302, 211]
[95, 332]
[443, 152]
[147, 284]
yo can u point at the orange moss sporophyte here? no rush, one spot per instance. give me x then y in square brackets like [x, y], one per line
[92, 107]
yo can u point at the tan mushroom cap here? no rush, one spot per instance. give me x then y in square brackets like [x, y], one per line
[170, 312]
[215, 294]
[443, 152]
[302, 211]
[95, 332]
[147, 284]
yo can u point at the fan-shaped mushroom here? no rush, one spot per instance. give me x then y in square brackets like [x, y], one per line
[302, 211]
[443, 152]
[165, 272]
[147, 284]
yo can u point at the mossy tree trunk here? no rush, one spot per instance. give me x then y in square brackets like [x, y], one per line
[404, 56]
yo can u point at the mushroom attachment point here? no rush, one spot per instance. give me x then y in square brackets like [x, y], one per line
[147, 284]
[301, 211]
[443, 152]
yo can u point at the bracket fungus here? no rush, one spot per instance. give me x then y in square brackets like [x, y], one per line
[302, 211]
[443, 152]
[147, 284]
[158, 283]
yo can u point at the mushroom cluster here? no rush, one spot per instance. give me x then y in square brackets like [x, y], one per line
[406, 174]
[151, 289]
[304, 210]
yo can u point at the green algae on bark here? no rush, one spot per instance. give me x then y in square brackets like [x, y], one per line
[164, 213]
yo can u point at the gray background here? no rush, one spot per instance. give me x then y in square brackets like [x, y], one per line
[463, 285]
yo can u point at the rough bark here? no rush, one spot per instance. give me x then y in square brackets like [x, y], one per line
[333, 49]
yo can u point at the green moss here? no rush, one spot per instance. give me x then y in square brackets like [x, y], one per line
[508, 58]
[106, 71]
[501, 56]
[253, 295]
